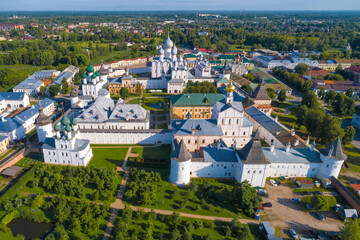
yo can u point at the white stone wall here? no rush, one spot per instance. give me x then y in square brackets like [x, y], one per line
[213, 169]
[43, 132]
[293, 169]
[115, 125]
[128, 137]
[67, 157]
[180, 172]
[255, 174]
[329, 168]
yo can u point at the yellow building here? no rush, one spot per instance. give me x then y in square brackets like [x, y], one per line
[193, 105]
[4, 142]
[124, 82]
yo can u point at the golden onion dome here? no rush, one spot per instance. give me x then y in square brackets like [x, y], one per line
[230, 87]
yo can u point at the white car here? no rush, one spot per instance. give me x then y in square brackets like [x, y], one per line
[293, 234]
[273, 183]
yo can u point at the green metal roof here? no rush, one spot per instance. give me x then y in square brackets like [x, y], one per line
[190, 55]
[84, 75]
[221, 80]
[196, 99]
[215, 61]
[90, 69]
[228, 57]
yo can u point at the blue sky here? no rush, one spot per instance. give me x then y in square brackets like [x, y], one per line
[162, 5]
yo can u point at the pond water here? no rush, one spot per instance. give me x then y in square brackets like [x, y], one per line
[29, 229]
[157, 105]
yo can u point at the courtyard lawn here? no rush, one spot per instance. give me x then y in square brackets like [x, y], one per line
[160, 155]
[108, 157]
[278, 104]
[353, 160]
[202, 202]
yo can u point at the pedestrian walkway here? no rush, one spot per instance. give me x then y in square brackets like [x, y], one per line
[117, 205]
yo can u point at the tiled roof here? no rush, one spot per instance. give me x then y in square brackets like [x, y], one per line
[221, 154]
[181, 153]
[252, 152]
[202, 127]
[2, 138]
[196, 99]
[334, 150]
[295, 155]
[12, 96]
[260, 93]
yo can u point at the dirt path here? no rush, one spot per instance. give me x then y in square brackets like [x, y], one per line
[286, 215]
[117, 205]
[182, 214]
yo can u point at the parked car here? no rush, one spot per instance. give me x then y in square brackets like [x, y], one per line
[273, 182]
[319, 193]
[293, 234]
[320, 216]
[262, 193]
[296, 200]
[306, 193]
[309, 206]
[267, 204]
[337, 207]
[312, 234]
[278, 182]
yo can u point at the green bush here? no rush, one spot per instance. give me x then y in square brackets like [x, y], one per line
[9, 217]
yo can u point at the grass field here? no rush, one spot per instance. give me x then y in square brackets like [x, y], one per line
[353, 160]
[159, 153]
[171, 197]
[162, 152]
[162, 229]
[279, 104]
[108, 157]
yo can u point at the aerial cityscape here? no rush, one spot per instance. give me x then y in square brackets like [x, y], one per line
[202, 121]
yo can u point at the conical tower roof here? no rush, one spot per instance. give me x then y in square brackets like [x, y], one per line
[181, 153]
[42, 119]
[225, 69]
[252, 152]
[260, 93]
[334, 150]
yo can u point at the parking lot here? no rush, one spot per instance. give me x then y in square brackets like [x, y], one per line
[285, 214]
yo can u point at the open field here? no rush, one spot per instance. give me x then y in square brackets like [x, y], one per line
[108, 157]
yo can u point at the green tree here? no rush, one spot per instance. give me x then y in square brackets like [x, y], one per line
[302, 68]
[138, 89]
[322, 93]
[282, 95]
[349, 134]
[336, 77]
[42, 90]
[124, 93]
[64, 86]
[54, 90]
[301, 115]
[247, 89]
[319, 202]
[349, 93]
[245, 198]
[249, 77]
[310, 100]
[222, 46]
[350, 230]
[271, 93]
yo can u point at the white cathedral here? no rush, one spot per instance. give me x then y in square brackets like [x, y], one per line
[64, 145]
[223, 148]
